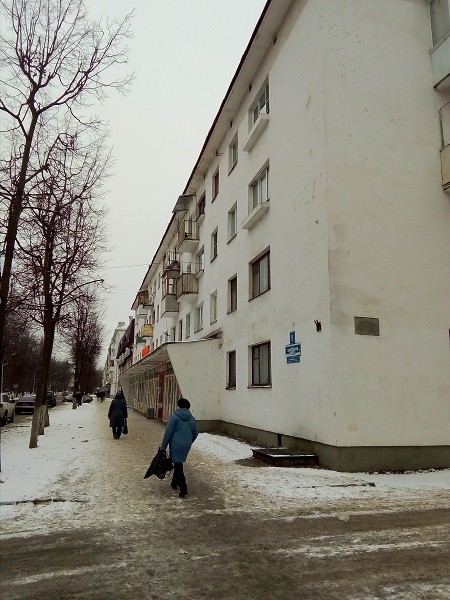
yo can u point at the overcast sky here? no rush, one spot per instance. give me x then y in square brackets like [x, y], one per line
[184, 54]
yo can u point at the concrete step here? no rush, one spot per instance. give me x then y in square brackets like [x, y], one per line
[285, 457]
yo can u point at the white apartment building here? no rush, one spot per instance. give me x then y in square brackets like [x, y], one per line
[110, 379]
[300, 295]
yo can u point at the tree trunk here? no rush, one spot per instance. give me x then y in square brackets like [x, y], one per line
[39, 417]
[15, 210]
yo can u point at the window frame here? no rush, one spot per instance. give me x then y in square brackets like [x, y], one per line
[199, 316]
[231, 370]
[214, 244]
[232, 233]
[256, 359]
[233, 154]
[213, 307]
[261, 105]
[232, 294]
[188, 325]
[255, 271]
[201, 205]
[262, 190]
[215, 184]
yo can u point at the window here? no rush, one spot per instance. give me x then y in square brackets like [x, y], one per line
[232, 154]
[214, 237]
[260, 367]
[259, 189]
[261, 105]
[199, 317]
[169, 286]
[157, 313]
[159, 280]
[232, 222]
[260, 275]
[172, 335]
[231, 370]
[440, 20]
[200, 261]
[201, 206]
[188, 325]
[213, 307]
[180, 330]
[215, 184]
[232, 294]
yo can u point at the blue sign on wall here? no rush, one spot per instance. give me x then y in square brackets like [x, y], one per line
[293, 359]
[293, 349]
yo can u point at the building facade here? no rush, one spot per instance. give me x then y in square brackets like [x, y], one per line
[300, 295]
[110, 380]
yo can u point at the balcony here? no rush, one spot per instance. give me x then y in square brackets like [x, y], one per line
[440, 65]
[141, 311]
[144, 299]
[187, 236]
[187, 286]
[171, 264]
[146, 331]
[199, 268]
[169, 306]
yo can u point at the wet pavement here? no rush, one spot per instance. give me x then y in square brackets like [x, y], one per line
[102, 531]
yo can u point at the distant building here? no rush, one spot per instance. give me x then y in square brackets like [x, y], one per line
[300, 295]
[111, 371]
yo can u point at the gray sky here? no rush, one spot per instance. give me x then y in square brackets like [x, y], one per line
[184, 54]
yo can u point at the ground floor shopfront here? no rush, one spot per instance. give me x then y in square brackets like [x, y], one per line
[153, 384]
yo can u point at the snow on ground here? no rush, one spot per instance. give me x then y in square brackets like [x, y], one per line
[29, 474]
[320, 484]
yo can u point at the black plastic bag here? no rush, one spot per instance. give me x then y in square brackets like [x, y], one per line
[160, 466]
[125, 427]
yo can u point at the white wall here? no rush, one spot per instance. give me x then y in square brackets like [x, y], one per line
[389, 224]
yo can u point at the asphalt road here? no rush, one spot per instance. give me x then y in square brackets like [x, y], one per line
[115, 535]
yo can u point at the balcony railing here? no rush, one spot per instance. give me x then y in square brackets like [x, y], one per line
[144, 298]
[171, 263]
[187, 285]
[187, 236]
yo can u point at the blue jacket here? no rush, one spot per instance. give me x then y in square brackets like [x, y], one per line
[180, 434]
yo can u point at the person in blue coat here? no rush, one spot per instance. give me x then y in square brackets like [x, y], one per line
[181, 432]
[117, 414]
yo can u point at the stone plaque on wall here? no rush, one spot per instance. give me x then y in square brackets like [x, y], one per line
[367, 326]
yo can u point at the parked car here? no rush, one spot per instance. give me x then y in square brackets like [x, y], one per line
[51, 398]
[67, 396]
[86, 398]
[7, 409]
[25, 404]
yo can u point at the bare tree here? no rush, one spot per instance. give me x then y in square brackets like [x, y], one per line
[59, 246]
[54, 61]
[83, 337]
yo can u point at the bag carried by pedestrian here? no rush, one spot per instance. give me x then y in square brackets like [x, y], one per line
[125, 427]
[160, 466]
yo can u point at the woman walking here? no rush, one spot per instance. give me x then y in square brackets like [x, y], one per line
[117, 414]
[180, 434]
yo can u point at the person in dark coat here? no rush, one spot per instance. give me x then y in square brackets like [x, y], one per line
[181, 432]
[117, 414]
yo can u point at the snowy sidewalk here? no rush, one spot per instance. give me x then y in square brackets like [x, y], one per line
[78, 442]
